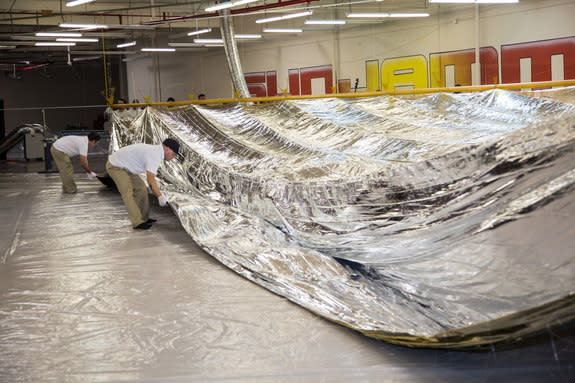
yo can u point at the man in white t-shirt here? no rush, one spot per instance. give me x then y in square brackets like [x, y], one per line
[70, 146]
[125, 166]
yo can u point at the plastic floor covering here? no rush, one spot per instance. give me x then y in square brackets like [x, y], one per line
[85, 298]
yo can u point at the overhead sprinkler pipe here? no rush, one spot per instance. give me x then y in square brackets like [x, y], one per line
[163, 20]
[279, 4]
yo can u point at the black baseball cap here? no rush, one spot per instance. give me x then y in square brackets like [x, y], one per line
[172, 144]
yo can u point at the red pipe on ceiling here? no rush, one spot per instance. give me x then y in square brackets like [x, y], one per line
[279, 4]
[164, 19]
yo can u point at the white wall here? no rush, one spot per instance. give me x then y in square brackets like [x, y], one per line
[452, 28]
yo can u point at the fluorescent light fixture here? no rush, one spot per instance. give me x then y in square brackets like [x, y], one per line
[87, 58]
[373, 15]
[83, 26]
[474, 1]
[96, 52]
[424, 14]
[124, 45]
[383, 15]
[57, 34]
[158, 49]
[53, 44]
[219, 7]
[78, 40]
[283, 30]
[248, 36]
[228, 4]
[184, 45]
[77, 2]
[199, 32]
[325, 22]
[284, 17]
[221, 41]
[7, 47]
[130, 26]
[208, 41]
[242, 2]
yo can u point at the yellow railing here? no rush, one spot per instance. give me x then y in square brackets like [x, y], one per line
[455, 89]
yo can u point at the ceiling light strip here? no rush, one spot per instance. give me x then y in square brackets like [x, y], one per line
[325, 22]
[248, 36]
[284, 17]
[86, 58]
[83, 26]
[283, 30]
[228, 4]
[385, 15]
[474, 1]
[423, 14]
[78, 40]
[158, 49]
[57, 34]
[199, 32]
[186, 45]
[208, 41]
[53, 44]
[124, 45]
[130, 26]
[77, 2]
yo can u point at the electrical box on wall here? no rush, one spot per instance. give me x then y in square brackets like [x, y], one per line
[34, 147]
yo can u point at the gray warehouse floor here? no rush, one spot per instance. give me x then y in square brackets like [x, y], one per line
[85, 298]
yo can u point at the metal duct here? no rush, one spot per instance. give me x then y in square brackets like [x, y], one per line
[233, 56]
[18, 134]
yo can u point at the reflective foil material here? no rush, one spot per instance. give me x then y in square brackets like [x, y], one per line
[412, 219]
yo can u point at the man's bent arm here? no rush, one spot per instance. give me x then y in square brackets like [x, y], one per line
[84, 163]
[151, 178]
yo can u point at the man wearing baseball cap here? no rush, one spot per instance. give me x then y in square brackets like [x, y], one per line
[126, 164]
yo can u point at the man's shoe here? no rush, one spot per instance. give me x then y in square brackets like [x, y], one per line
[143, 226]
[151, 220]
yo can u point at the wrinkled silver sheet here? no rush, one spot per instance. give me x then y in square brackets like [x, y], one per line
[412, 219]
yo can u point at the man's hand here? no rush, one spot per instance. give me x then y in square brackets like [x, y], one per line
[92, 175]
[162, 201]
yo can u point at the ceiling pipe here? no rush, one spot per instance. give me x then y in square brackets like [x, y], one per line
[37, 15]
[163, 20]
[279, 4]
[49, 13]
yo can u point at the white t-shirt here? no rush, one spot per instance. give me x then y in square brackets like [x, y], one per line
[138, 158]
[72, 145]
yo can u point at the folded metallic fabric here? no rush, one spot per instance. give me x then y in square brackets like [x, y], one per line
[441, 220]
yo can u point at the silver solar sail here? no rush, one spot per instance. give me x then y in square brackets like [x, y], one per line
[412, 219]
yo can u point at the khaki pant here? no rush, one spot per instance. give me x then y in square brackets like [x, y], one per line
[134, 193]
[66, 170]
